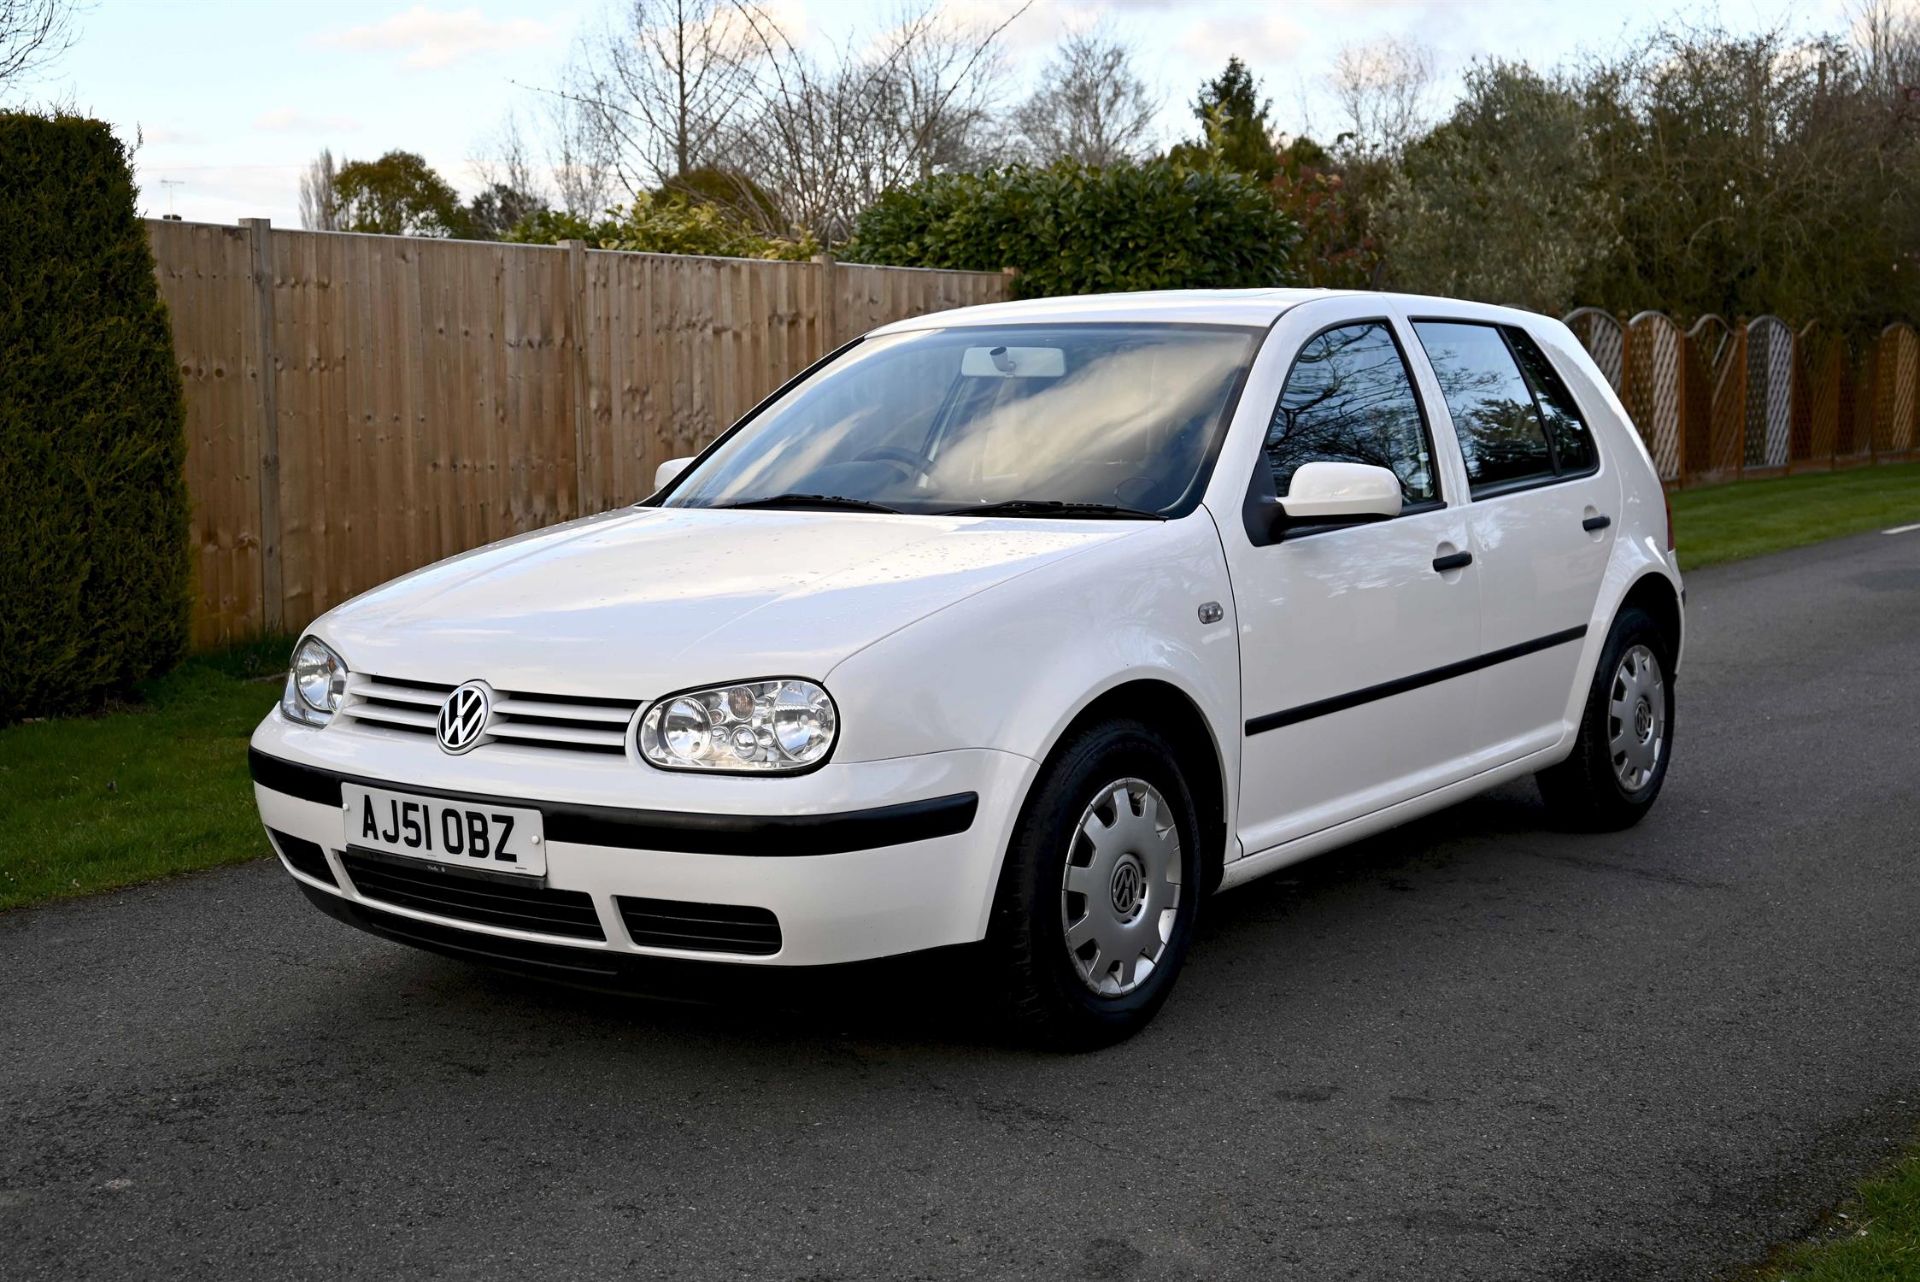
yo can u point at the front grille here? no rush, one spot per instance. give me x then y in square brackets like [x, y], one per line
[705, 928]
[305, 856]
[564, 723]
[485, 901]
[393, 704]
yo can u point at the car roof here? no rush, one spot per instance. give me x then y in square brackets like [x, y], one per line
[1259, 307]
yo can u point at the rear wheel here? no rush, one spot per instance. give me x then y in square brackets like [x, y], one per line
[1097, 900]
[1620, 759]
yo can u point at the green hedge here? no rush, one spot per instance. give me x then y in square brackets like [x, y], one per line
[93, 503]
[1076, 229]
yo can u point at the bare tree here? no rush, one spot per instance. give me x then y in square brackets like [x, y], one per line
[579, 153]
[661, 85]
[319, 194]
[32, 34]
[506, 161]
[1382, 89]
[1888, 39]
[1091, 107]
[827, 134]
[806, 130]
[716, 92]
[945, 78]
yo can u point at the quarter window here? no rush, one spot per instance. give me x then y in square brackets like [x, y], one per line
[1566, 430]
[1516, 420]
[1349, 399]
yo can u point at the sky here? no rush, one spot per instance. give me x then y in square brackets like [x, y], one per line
[230, 99]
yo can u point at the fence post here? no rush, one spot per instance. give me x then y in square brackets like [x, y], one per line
[577, 325]
[267, 411]
[829, 304]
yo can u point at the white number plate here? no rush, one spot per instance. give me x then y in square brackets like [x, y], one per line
[454, 833]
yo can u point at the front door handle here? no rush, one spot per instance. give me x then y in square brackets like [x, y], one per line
[1593, 524]
[1453, 561]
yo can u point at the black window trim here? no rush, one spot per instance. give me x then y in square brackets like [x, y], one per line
[1256, 514]
[1519, 485]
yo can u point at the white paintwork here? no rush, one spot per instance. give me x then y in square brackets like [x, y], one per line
[958, 650]
[1341, 492]
[670, 469]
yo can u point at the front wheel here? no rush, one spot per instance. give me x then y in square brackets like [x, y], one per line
[1097, 900]
[1620, 758]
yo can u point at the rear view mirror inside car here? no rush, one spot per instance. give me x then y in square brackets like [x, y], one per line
[1013, 362]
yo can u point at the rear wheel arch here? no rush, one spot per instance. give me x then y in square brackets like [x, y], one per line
[1654, 594]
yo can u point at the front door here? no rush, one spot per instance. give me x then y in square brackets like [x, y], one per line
[1346, 633]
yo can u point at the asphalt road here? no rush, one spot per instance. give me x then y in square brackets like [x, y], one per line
[1470, 1048]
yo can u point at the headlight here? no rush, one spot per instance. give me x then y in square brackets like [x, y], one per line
[752, 727]
[316, 681]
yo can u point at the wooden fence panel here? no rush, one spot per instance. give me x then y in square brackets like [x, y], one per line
[205, 277]
[1897, 359]
[358, 406]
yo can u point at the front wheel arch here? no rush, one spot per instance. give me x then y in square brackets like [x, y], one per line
[1169, 709]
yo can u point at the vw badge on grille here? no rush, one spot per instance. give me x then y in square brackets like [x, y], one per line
[463, 718]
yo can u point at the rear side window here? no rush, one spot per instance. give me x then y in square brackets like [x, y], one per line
[1566, 429]
[1516, 421]
[1350, 399]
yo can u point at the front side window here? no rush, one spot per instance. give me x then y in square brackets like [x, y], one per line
[1125, 416]
[1516, 420]
[1349, 399]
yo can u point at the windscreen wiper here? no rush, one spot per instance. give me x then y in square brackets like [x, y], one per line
[812, 500]
[1053, 507]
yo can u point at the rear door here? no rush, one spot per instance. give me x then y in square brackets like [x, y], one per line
[1346, 633]
[1541, 520]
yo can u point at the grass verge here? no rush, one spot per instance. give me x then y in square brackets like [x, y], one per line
[1747, 518]
[1875, 1237]
[137, 792]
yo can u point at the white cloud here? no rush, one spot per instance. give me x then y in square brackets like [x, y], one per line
[1273, 38]
[291, 120]
[442, 37]
[168, 136]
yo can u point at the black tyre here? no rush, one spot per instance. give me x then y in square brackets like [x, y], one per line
[1620, 759]
[1097, 900]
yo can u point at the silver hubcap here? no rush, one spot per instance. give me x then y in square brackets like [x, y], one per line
[1636, 718]
[1120, 893]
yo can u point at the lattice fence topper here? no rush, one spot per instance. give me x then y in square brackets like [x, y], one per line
[1650, 387]
[1897, 389]
[1716, 401]
[1769, 392]
[1605, 340]
[1717, 386]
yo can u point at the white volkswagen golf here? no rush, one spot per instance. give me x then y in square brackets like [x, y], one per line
[1026, 626]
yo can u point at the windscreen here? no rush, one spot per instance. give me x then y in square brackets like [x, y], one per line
[947, 420]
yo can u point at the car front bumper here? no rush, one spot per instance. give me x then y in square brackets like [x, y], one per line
[854, 861]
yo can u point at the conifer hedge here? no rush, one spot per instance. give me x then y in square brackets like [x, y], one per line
[94, 574]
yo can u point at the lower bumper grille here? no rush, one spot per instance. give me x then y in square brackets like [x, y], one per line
[706, 928]
[305, 856]
[424, 888]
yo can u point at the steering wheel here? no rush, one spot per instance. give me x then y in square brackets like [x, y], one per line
[916, 463]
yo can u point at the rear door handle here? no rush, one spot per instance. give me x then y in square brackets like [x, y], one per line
[1453, 561]
[1594, 523]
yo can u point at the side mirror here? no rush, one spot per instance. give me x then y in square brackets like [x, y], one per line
[668, 470]
[1340, 494]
